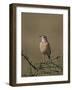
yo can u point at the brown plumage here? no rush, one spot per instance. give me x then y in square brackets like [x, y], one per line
[45, 46]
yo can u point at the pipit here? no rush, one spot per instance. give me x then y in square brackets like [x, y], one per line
[45, 48]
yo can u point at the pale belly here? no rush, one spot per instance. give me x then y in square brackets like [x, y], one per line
[43, 47]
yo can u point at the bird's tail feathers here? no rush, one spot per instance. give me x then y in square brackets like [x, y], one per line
[49, 57]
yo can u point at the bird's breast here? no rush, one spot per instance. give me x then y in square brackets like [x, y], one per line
[43, 47]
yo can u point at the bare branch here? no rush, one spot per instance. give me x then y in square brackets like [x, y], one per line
[27, 59]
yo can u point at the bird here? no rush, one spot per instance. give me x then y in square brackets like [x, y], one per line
[45, 48]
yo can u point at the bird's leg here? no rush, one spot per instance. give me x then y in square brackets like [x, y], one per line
[43, 58]
[48, 59]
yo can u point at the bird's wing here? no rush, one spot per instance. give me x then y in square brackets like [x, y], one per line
[49, 49]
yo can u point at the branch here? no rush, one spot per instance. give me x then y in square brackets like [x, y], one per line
[27, 59]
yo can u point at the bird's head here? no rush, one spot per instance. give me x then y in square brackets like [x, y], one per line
[43, 38]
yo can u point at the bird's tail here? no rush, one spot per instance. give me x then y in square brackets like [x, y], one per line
[49, 57]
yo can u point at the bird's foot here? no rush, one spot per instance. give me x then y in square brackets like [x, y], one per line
[42, 62]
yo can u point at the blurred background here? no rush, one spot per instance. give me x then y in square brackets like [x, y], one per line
[33, 26]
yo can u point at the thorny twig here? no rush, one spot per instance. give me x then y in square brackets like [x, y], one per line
[34, 67]
[50, 62]
[27, 59]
